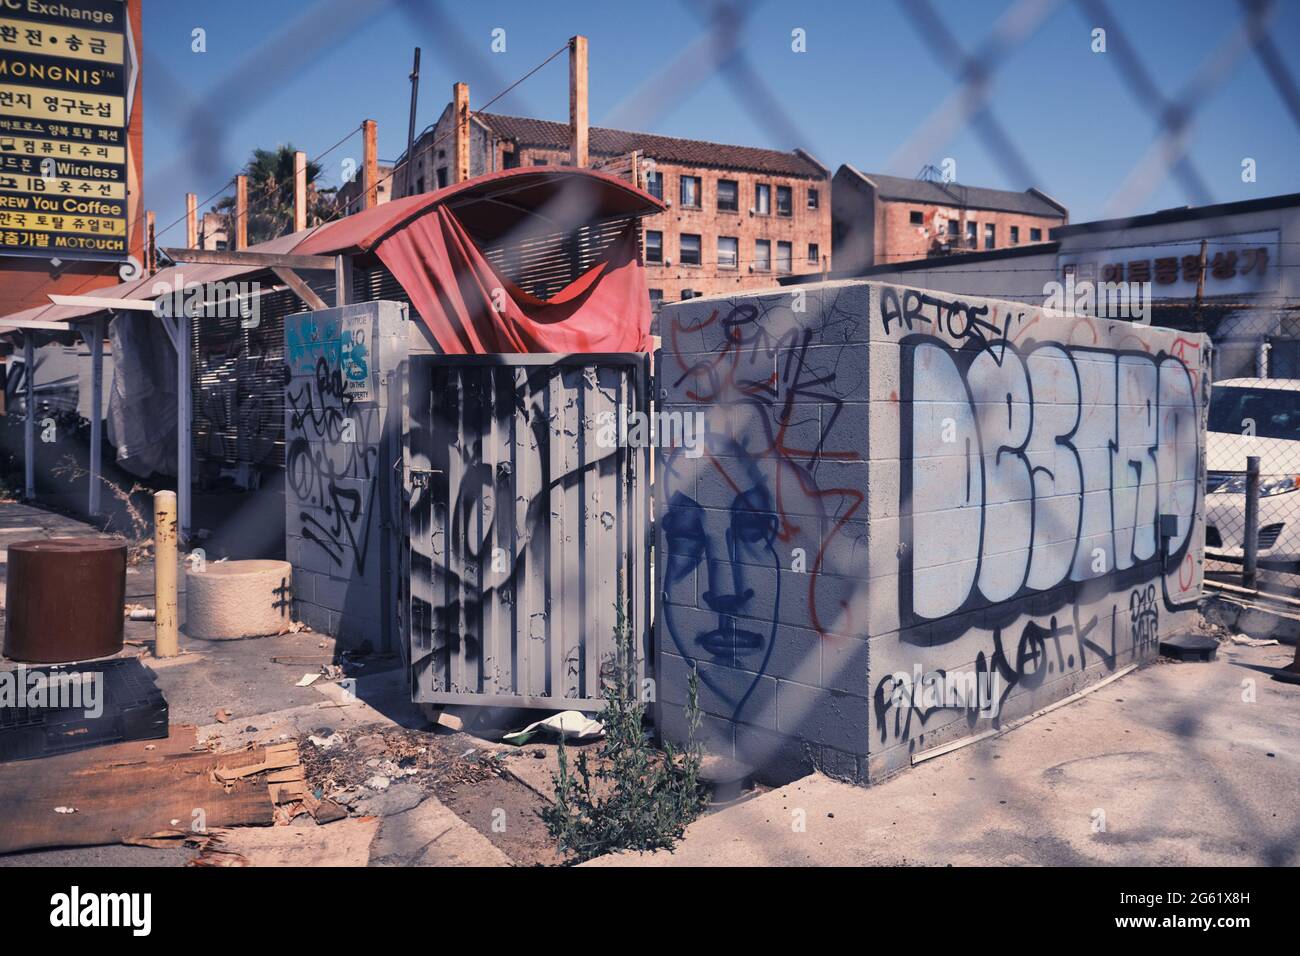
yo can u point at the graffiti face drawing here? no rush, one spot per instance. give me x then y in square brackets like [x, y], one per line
[733, 557]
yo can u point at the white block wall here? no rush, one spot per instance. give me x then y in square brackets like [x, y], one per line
[916, 517]
[342, 497]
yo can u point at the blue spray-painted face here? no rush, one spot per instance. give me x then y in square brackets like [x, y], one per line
[737, 568]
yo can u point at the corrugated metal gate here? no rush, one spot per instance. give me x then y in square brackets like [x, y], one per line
[526, 525]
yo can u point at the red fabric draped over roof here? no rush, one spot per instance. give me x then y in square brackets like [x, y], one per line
[452, 286]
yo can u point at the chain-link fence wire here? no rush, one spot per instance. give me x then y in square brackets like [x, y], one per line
[1259, 338]
[1254, 339]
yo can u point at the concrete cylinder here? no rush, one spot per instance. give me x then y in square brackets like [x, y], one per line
[64, 599]
[233, 599]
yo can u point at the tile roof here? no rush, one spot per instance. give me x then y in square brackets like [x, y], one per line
[616, 142]
[1030, 202]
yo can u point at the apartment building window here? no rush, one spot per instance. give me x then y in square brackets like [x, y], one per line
[654, 185]
[814, 199]
[784, 256]
[690, 192]
[814, 254]
[1015, 235]
[728, 252]
[763, 199]
[654, 245]
[784, 201]
[1035, 235]
[954, 228]
[762, 255]
[972, 234]
[916, 217]
[656, 300]
[728, 195]
[690, 246]
[990, 235]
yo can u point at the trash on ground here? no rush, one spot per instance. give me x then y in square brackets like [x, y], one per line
[572, 724]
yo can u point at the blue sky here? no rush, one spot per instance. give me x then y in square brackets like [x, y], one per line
[290, 71]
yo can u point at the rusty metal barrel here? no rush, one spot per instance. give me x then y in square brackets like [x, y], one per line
[64, 599]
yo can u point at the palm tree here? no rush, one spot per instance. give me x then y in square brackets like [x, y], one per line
[270, 195]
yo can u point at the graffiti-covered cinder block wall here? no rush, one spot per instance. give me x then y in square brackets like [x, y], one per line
[912, 518]
[343, 441]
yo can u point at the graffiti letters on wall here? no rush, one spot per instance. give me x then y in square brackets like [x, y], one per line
[1049, 489]
[750, 524]
[332, 451]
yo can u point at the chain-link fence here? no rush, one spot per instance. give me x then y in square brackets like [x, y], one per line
[1255, 410]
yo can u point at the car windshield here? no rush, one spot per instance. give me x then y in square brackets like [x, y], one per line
[1264, 412]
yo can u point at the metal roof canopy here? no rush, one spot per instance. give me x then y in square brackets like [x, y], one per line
[510, 205]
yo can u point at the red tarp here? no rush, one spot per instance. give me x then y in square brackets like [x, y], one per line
[451, 286]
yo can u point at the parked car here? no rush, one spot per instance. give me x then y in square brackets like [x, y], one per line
[1254, 416]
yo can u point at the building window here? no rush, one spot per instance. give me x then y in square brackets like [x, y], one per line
[763, 199]
[728, 252]
[814, 254]
[762, 255]
[990, 235]
[916, 217]
[654, 245]
[442, 177]
[688, 294]
[654, 185]
[814, 200]
[1015, 235]
[539, 161]
[690, 192]
[784, 256]
[972, 234]
[784, 201]
[690, 246]
[1035, 235]
[728, 195]
[954, 228]
[656, 300]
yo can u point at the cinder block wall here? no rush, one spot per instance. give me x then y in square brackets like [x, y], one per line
[342, 433]
[915, 518]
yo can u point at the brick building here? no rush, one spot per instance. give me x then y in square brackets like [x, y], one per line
[738, 217]
[878, 220]
[352, 194]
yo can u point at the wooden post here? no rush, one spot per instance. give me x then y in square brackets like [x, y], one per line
[29, 424]
[150, 242]
[299, 191]
[184, 421]
[164, 574]
[578, 101]
[460, 99]
[370, 134]
[241, 212]
[191, 221]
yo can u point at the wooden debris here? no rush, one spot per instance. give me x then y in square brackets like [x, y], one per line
[126, 793]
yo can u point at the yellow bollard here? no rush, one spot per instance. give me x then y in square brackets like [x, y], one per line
[164, 574]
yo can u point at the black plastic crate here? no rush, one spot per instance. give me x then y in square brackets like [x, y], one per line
[133, 709]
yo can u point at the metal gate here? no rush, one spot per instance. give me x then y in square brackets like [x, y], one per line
[527, 524]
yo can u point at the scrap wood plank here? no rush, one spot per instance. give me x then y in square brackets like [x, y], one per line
[124, 796]
[345, 843]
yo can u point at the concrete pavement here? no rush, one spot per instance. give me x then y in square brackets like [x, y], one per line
[1172, 765]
